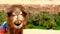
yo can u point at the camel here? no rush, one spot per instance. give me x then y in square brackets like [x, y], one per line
[16, 19]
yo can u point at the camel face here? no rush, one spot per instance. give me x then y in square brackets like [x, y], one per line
[16, 16]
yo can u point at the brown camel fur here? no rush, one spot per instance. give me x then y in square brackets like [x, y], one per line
[16, 19]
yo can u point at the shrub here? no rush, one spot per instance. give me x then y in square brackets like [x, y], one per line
[57, 18]
[43, 19]
[30, 26]
[2, 17]
[47, 20]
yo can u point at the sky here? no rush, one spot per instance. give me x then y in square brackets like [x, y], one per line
[30, 2]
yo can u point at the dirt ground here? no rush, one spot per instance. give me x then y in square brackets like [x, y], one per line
[39, 31]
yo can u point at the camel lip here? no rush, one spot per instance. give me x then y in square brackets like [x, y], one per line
[17, 24]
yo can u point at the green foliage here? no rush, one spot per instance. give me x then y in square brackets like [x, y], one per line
[57, 18]
[2, 17]
[48, 20]
[29, 26]
[34, 27]
[57, 28]
[43, 19]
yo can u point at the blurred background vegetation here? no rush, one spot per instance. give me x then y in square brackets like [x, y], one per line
[41, 20]
[2, 17]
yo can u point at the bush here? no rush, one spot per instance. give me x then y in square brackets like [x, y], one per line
[43, 19]
[57, 18]
[57, 28]
[2, 17]
[30, 26]
[47, 20]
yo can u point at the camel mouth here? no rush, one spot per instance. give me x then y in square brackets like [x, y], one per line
[17, 24]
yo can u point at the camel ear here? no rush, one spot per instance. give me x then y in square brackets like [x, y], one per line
[9, 11]
[24, 13]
